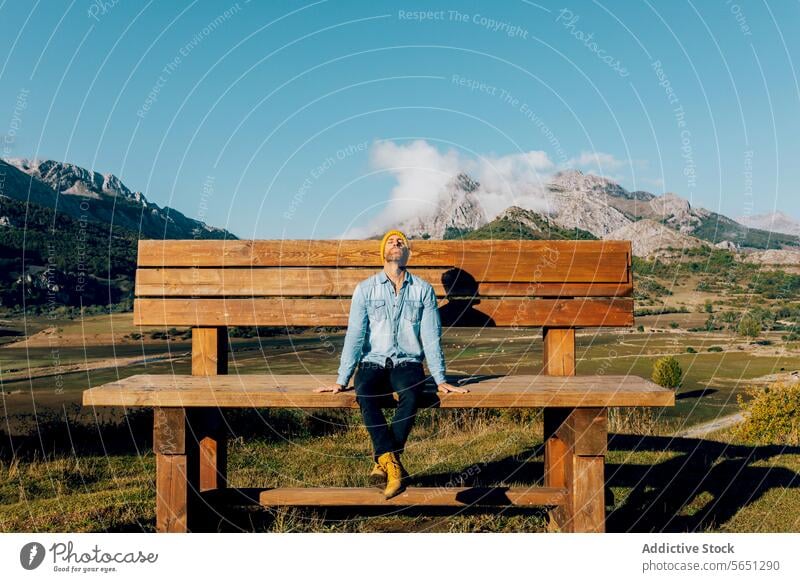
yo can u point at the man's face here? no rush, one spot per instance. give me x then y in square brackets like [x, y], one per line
[396, 250]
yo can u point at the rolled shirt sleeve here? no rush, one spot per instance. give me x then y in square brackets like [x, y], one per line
[431, 335]
[357, 326]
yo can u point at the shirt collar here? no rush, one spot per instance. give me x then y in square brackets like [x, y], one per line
[384, 278]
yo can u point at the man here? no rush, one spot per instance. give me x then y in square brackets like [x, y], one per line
[394, 318]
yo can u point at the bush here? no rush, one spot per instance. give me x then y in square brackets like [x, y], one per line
[640, 328]
[674, 324]
[772, 416]
[749, 326]
[667, 372]
[691, 350]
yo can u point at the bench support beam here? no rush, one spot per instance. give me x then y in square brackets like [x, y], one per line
[574, 447]
[210, 358]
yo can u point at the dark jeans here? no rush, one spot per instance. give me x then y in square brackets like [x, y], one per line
[374, 384]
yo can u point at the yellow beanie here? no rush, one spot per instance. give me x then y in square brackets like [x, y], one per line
[386, 237]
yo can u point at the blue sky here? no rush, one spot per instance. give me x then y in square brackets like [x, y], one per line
[314, 120]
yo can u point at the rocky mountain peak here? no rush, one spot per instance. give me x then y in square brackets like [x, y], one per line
[458, 208]
[66, 178]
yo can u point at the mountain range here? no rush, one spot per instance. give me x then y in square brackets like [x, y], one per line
[103, 198]
[587, 206]
[68, 235]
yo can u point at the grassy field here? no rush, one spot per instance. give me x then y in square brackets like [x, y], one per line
[656, 482]
[65, 468]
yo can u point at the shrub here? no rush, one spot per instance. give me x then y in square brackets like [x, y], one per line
[772, 416]
[749, 326]
[714, 349]
[667, 372]
[691, 350]
[674, 324]
[640, 328]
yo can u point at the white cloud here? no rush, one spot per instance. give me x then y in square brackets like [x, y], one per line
[422, 172]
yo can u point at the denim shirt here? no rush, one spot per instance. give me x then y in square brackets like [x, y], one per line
[401, 326]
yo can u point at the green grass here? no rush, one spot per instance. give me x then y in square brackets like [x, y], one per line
[655, 482]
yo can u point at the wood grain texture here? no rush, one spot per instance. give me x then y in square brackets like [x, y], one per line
[330, 282]
[172, 493]
[169, 431]
[296, 391]
[558, 355]
[209, 351]
[585, 431]
[512, 312]
[586, 500]
[485, 259]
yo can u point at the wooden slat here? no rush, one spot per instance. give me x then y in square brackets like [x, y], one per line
[328, 282]
[511, 312]
[297, 391]
[501, 261]
[412, 496]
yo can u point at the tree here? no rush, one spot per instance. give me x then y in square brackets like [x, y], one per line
[749, 326]
[667, 372]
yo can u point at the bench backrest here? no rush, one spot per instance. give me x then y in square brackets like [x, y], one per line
[309, 283]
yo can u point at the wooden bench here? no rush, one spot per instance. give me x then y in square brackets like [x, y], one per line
[209, 285]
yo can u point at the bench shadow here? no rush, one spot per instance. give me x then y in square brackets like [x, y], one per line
[696, 393]
[701, 488]
[704, 486]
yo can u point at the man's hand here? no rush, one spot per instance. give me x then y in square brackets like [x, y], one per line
[334, 388]
[444, 388]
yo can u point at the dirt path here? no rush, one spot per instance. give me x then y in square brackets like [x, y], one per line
[47, 371]
[706, 428]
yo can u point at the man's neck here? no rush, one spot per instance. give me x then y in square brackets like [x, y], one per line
[395, 272]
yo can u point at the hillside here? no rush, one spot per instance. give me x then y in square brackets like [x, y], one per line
[68, 236]
[102, 198]
[519, 224]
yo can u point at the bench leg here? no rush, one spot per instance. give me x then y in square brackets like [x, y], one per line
[190, 449]
[574, 458]
[176, 470]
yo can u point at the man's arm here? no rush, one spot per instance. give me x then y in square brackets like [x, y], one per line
[431, 335]
[354, 338]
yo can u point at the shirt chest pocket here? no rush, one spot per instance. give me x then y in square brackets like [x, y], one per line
[412, 310]
[376, 309]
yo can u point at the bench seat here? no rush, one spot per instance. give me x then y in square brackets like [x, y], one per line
[296, 391]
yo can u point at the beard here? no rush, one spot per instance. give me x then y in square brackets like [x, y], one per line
[394, 255]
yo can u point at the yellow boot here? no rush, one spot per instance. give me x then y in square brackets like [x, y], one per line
[378, 476]
[396, 475]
